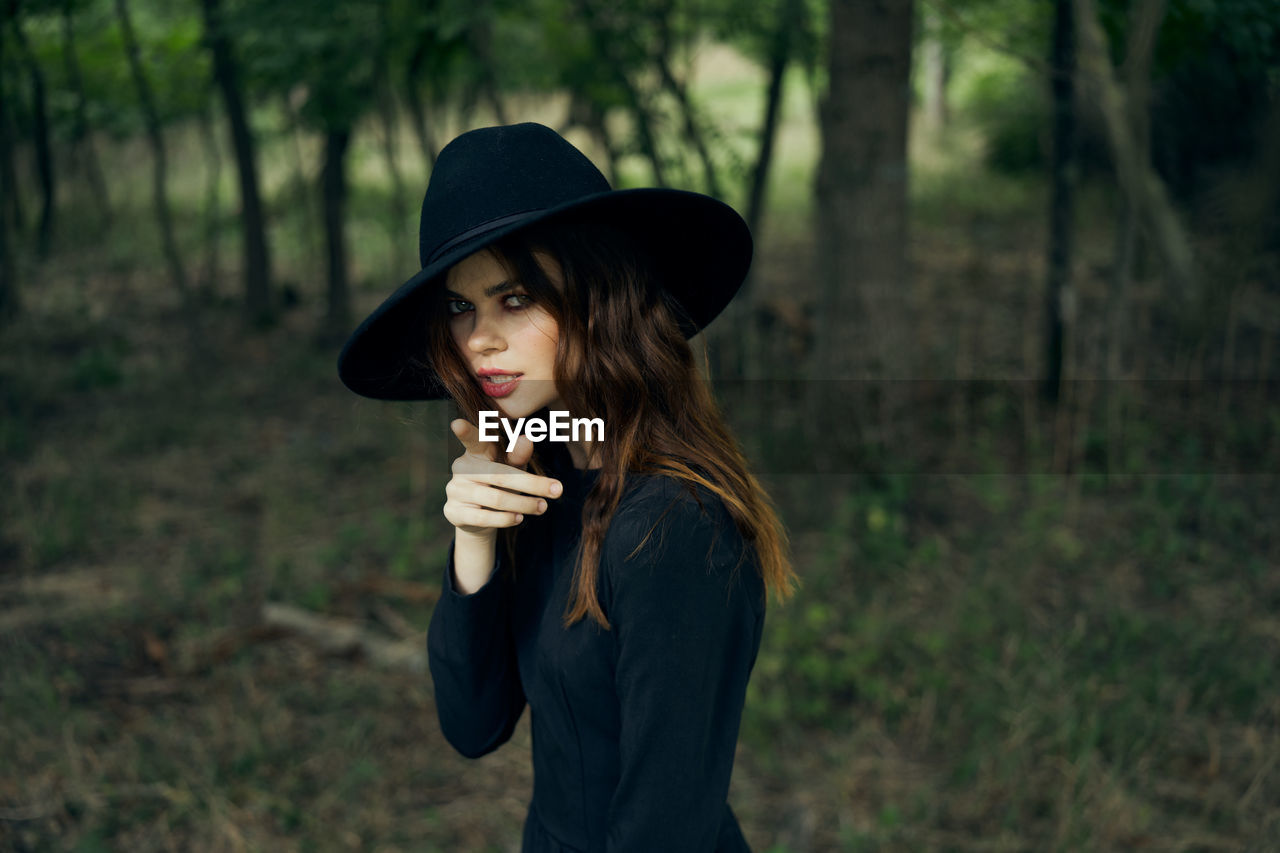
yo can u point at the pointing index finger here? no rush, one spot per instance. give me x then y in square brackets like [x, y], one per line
[516, 480]
[469, 435]
[522, 482]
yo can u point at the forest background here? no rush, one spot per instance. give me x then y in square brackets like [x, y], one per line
[1019, 258]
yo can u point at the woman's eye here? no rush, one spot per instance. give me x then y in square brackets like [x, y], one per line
[458, 306]
[517, 300]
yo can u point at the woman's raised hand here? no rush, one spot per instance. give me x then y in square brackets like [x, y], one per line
[484, 495]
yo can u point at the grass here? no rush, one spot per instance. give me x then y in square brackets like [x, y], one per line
[1002, 657]
[1096, 653]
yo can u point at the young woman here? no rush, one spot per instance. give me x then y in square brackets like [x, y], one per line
[613, 583]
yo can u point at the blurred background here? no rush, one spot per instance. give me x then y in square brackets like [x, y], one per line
[1007, 361]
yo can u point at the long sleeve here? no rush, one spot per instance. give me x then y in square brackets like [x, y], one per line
[687, 615]
[472, 658]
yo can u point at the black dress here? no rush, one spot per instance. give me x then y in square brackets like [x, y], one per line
[634, 728]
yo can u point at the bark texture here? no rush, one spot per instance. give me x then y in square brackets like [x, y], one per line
[333, 181]
[159, 173]
[81, 135]
[257, 261]
[10, 294]
[862, 191]
[864, 331]
[43, 147]
[1059, 294]
[1139, 180]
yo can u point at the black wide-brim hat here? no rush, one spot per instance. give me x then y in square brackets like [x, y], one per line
[491, 182]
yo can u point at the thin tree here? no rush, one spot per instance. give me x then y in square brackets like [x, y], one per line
[164, 218]
[212, 209]
[691, 123]
[791, 16]
[258, 301]
[44, 150]
[607, 40]
[1144, 24]
[81, 137]
[10, 197]
[1140, 182]
[1059, 293]
[415, 101]
[333, 180]
[387, 114]
[10, 295]
[481, 42]
[740, 345]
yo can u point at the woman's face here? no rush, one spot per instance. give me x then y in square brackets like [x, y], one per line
[507, 341]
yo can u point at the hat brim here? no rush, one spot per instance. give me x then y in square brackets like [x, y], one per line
[701, 246]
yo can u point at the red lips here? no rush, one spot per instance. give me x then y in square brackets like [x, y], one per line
[498, 388]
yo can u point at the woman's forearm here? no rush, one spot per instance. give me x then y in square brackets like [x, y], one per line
[472, 560]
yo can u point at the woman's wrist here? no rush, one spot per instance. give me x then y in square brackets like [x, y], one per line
[473, 558]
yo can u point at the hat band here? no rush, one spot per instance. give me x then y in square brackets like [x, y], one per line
[482, 228]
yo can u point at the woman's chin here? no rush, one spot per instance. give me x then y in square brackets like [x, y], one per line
[516, 409]
[522, 406]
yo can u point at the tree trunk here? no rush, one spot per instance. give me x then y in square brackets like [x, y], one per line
[387, 115]
[416, 109]
[604, 41]
[481, 36]
[739, 343]
[1140, 182]
[10, 197]
[1059, 293]
[310, 217]
[44, 151]
[212, 209]
[598, 127]
[10, 298]
[399, 192]
[692, 129]
[158, 177]
[81, 136]
[640, 114]
[779, 57]
[333, 182]
[257, 261]
[10, 294]
[862, 209]
[1144, 23]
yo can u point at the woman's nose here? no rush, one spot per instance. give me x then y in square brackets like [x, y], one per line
[485, 336]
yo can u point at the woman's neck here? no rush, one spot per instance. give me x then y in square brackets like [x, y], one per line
[585, 454]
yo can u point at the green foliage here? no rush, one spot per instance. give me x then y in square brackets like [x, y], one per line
[330, 60]
[753, 27]
[1011, 108]
[1192, 30]
[172, 54]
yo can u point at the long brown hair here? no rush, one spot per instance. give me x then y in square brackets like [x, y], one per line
[622, 356]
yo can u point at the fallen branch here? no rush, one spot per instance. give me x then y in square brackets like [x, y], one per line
[342, 637]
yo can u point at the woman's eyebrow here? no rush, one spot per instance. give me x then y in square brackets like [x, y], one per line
[491, 290]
